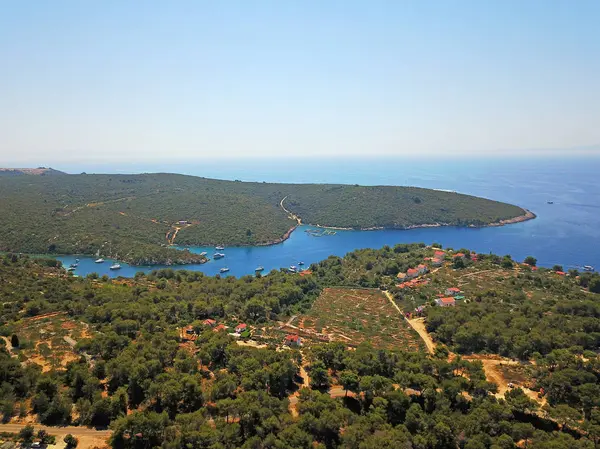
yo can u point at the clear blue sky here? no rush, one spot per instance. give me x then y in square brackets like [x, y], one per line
[123, 80]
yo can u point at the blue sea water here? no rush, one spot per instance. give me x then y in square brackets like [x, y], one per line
[566, 232]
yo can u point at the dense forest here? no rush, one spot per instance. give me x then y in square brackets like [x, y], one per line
[133, 371]
[136, 217]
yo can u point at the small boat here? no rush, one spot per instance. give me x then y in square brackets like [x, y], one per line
[219, 248]
[115, 267]
[301, 263]
[71, 269]
[588, 268]
[101, 260]
[224, 270]
[293, 268]
[260, 268]
[76, 260]
[550, 202]
[74, 265]
[203, 253]
[218, 255]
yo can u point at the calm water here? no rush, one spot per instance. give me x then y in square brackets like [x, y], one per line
[566, 232]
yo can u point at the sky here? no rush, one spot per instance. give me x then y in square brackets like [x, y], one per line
[126, 81]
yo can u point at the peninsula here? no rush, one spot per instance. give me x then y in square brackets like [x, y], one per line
[140, 218]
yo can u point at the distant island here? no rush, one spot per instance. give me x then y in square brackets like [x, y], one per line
[141, 218]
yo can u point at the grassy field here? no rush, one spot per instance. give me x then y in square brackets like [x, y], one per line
[353, 316]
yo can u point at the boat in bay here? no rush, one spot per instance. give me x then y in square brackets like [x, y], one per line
[224, 270]
[101, 260]
[115, 266]
[218, 255]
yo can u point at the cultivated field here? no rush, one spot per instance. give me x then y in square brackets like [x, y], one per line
[354, 316]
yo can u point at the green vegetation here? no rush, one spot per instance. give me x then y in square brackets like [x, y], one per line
[155, 385]
[135, 217]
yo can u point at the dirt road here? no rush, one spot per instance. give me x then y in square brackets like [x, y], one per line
[88, 438]
[290, 213]
[417, 324]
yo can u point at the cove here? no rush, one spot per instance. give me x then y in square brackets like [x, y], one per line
[566, 232]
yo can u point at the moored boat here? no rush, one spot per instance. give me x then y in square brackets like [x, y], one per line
[224, 270]
[293, 268]
[101, 260]
[219, 248]
[300, 263]
[260, 268]
[218, 255]
[588, 268]
[115, 266]
[203, 253]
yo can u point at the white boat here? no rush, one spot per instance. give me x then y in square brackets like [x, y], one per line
[203, 253]
[71, 269]
[115, 267]
[74, 265]
[101, 260]
[588, 268]
[76, 260]
[218, 255]
[224, 270]
[293, 268]
[300, 263]
[219, 248]
[261, 268]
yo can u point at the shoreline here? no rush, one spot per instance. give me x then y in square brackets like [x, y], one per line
[519, 219]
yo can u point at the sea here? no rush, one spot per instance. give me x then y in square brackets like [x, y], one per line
[564, 193]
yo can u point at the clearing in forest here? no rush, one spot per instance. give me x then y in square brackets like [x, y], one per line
[49, 340]
[354, 316]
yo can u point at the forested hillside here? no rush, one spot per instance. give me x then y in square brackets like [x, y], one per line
[133, 217]
[156, 359]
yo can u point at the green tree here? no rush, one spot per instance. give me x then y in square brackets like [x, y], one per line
[530, 260]
[71, 441]
[349, 380]
[557, 268]
[14, 341]
[26, 434]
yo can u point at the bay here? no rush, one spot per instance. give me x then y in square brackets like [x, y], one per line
[566, 232]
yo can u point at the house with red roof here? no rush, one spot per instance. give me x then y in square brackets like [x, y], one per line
[209, 322]
[293, 340]
[459, 256]
[219, 328]
[560, 273]
[446, 302]
[240, 328]
[452, 291]
[412, 273]
[422, 269]
[437, 262]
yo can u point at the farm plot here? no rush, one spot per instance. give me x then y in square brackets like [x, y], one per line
[354, 316]
[48, 340]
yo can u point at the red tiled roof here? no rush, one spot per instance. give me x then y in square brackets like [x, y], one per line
[459, 255]
[440, 253]
[293, 338]
[220, 327]
[562, 273]
[422, 266]
[453, 289]
[448, 300]
[209, 322]
[241, 326]
[411, 271]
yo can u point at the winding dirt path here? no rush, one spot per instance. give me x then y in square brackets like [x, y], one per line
[290, 213]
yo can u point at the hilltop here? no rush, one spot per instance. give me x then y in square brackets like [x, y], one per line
[136, 217]
[39, 171]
